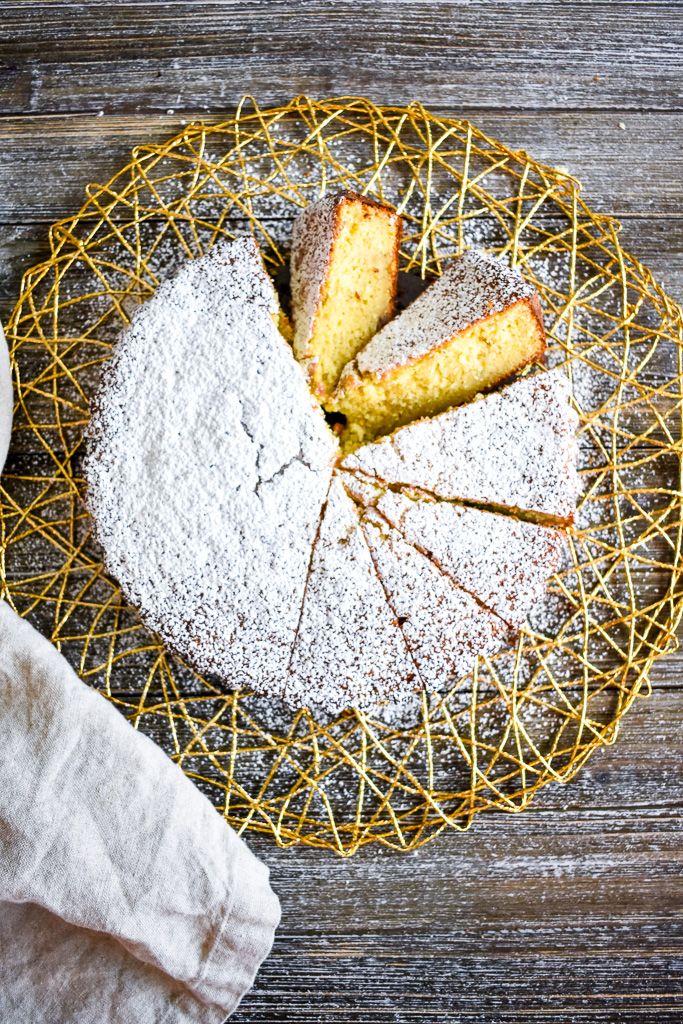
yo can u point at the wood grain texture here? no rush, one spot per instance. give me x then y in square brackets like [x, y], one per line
[573, 911]
[142, 56]
[569, 912]
[633, 171]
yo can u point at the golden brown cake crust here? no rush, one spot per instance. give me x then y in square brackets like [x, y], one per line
[528, 431]
[316, 231]
[472, 329]
[495, 288]
[353, 375]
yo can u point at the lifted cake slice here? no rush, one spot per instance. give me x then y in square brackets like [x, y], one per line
[344, 269]
[514, 450]
[476, 325]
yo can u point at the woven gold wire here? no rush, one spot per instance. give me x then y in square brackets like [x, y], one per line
[525, 717]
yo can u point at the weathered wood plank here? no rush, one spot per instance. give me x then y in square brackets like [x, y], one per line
[141, 57]
[566, 917]
[551, 915]
[46, 162]
[391, 983]
[655, 241]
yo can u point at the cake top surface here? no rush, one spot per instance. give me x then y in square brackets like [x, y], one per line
[472, 286]
[515, 448]
[350, 650]
[503, 562]
[431, 607]
[207, 465]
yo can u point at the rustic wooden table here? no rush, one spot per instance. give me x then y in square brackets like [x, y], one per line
[572, 911]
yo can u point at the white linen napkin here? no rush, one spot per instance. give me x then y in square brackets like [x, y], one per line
[124, 896]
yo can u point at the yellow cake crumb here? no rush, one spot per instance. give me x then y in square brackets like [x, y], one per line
[475, 327]
[344, 271]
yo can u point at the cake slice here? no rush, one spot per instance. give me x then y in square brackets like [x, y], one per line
[514, 450]
[503, 562]
[444, 626]
[349, 650]
[476, 325]
[344, 269]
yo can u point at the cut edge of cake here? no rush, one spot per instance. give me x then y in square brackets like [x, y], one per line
[504, 563]
[349, 650]
[239, 291]
[471, 329]
[344, 273]
[513, 450]
[445, 627]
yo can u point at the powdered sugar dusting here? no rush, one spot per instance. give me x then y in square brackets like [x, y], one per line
[514, 448]
[444, 626]
[349, 650]
[207, 468]
[212, 482]
[312, 237]
[471, 287]
[502, 561]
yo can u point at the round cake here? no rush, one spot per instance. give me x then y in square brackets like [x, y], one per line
[262, 555]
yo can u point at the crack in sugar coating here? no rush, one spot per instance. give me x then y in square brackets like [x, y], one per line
[184, 482]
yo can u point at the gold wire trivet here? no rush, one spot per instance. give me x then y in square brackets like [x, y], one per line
[525, 717]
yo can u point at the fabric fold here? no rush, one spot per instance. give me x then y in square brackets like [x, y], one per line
[115, 857]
